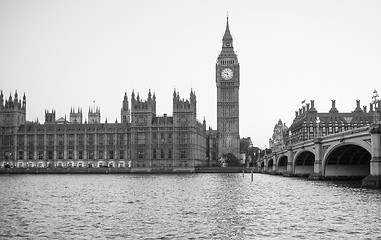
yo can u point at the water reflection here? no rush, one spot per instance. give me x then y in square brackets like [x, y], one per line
[189, 206]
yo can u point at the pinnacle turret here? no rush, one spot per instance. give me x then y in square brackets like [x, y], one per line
[227, 35]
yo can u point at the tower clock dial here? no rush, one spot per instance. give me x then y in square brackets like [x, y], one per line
[227, 74]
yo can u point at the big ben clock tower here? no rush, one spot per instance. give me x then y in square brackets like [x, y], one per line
[227, 81]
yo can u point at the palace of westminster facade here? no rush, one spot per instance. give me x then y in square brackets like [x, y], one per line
[141, 141]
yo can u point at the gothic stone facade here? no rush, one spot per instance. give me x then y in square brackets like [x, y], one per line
[147, 143]
[142, 140]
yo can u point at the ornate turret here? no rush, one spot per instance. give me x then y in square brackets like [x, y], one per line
[125, 111]
[76, 117]
[1, 99]
[94, 115]
[181, 105]
[12, 111]
[227, 44]
[143, 111]
[24, 102]
[227, 40]
[50, 117]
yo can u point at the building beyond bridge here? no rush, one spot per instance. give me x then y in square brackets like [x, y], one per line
[328, 145]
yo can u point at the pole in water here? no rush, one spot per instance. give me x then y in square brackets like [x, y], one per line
[251, 175]
[243, 173]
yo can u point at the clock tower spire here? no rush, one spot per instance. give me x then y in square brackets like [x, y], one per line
[227, 82]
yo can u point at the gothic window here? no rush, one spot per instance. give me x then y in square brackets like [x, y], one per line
[141, 138]
[81, 140]
[162, 153]
[60, 140]
[183, 154]
[40, 140]
[100, 139]
[20, 141]
[30, 155]
[183, 138]
[41, 155]
[169, 153]
[140, 153]
[21, 155]
[50, 154]
[110, 139]
[30, 140]
[70, 139]
[120, 139]
[154, 153]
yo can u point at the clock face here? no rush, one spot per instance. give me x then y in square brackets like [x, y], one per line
[227, 74]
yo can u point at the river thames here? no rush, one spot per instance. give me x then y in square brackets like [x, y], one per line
[185, 206]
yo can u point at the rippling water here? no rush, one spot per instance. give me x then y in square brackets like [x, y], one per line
[184, 206]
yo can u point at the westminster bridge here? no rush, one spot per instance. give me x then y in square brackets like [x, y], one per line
[353, 153]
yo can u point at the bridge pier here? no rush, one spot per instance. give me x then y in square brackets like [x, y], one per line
[274, 169]
[290, 163]
[318, 164]
[374, 179]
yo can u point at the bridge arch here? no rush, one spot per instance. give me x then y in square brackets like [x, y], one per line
[270, 164]
[262, 165]
[349, 159]
[282, 164]
[304, 163]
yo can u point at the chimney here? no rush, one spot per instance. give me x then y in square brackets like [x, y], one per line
[296, 114]
[304, 109]
[364, 109]
[358, 108]
[312, 109]
[308, 107]
[333, 108]
[371, 107]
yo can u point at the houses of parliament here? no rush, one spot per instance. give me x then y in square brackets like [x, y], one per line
[141, 141]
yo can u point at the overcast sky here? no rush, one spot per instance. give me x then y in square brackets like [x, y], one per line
[65, 54]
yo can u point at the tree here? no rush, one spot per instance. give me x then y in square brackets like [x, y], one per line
[246, 146]
[231, 160]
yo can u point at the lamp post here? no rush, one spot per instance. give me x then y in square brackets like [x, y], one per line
[375, 101]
